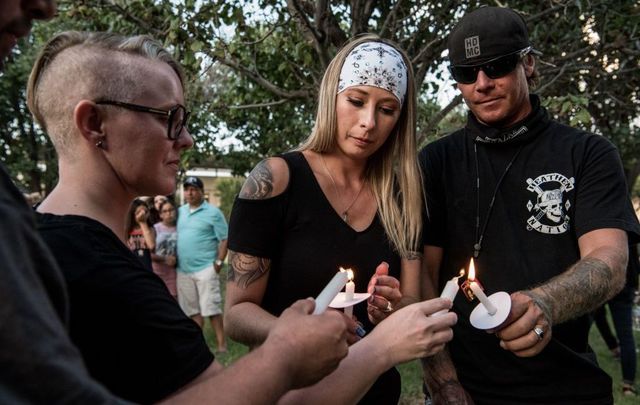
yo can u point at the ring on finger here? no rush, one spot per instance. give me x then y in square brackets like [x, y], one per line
[539, 332]
[389, 308]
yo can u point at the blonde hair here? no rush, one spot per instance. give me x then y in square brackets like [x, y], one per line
[393, 171]
[77, 65]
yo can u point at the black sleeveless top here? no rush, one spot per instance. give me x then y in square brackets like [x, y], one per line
[307, 242]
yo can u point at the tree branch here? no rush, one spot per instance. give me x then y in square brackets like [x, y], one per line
[384, 30]
[258, 105]
[308, 30]
[267, 85]
[541, 89]
[435, 121]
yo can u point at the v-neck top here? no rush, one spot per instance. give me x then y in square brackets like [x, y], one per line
[306, 240]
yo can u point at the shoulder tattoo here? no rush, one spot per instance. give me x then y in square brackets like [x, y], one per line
[259, 184]
[245, 269]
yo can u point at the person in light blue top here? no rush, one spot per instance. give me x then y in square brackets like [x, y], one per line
[202, 248]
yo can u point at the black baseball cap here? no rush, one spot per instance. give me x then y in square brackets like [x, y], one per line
[487, 33]
[193, 181]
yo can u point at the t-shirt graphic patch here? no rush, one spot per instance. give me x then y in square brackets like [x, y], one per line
[549, 211]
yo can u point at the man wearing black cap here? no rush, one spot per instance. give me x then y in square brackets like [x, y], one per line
[543, 210]
[202, 248]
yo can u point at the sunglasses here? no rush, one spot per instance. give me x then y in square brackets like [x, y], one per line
[494, 68]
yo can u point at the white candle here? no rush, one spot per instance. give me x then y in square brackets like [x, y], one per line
[477, 291]
[330, 291]
[450, 291]
[349, 290]
[451, 288]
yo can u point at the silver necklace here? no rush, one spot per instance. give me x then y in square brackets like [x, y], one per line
[345, 212]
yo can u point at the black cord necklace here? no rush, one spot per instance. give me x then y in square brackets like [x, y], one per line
[477, 247]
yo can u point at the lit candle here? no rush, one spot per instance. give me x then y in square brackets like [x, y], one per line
[349, 290]
[330, 291]
[477, 290]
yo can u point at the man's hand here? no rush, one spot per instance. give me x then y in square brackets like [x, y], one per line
[217, 266]
[385, 294]
[519, 333]
[313, 345]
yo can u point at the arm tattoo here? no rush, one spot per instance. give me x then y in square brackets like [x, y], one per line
[259, 184]
[245, 269]
[581, 289]
[413, 255]
[441, 378]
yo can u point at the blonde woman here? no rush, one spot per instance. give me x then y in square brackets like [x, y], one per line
[349, 196]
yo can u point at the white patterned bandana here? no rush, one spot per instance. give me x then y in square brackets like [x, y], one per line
[375, 64]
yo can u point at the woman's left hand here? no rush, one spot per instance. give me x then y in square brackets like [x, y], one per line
[385, 294]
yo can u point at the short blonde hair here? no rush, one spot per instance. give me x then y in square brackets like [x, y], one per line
[392, 171]
[93, 65]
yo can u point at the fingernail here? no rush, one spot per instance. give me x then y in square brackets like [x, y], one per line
[360, 331]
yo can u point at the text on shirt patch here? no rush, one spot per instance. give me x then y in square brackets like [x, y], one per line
[549, 212]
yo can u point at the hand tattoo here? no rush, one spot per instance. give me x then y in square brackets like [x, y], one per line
[245, 269]
[259, 184]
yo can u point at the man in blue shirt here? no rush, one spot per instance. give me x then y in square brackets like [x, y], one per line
[202, 248]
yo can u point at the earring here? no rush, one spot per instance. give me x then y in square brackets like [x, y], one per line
[99, 144]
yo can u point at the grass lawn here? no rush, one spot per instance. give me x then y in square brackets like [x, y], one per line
[412, 372]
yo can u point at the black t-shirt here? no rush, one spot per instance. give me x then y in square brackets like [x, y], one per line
[307, 242]
[134, 337]
[38, 363]
[562, 184]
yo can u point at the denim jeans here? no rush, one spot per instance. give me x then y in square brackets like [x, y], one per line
[620, 307]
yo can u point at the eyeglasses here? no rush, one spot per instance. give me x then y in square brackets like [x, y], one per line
[177, 117]
[494, 68]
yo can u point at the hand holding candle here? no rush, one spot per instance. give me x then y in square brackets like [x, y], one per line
[330, 291]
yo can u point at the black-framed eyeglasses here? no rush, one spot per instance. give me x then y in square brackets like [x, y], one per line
[177, 116]
[494, 68]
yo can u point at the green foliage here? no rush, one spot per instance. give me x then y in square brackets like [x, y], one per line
[253, 67]
[227, 190]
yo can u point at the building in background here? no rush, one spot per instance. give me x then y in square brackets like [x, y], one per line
[210, 178]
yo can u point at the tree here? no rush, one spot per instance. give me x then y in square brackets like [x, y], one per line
[254, 66]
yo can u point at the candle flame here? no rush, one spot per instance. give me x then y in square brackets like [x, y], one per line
[472, 271]
[349, 273]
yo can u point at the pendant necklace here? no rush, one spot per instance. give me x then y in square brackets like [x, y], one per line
[345, 212]
[477, 247]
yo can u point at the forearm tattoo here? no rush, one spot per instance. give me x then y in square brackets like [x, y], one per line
[583, 288]
[259, 184]
[440, 375]
[245, 269]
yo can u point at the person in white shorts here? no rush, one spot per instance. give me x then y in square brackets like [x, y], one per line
[202, 248]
